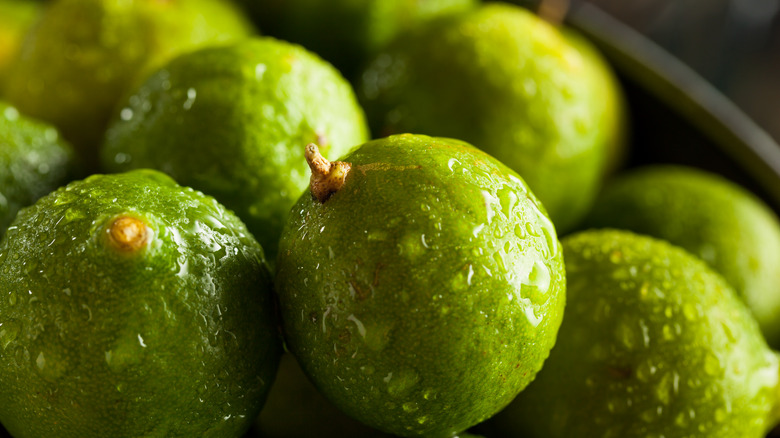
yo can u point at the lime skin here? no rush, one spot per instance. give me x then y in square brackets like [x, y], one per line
[654, 343]
[231, 121]
[426, 292]
[132, 306]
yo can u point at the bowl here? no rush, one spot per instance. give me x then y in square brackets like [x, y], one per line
[675, 115]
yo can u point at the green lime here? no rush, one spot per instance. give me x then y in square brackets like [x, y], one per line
[34, 160]
[84, 55]
[653, 344]
[232, 121]
[130, 307]
[537, 97]
[420, 283]
[711, 217]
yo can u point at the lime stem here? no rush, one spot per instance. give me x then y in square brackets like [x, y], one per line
[553, 11]
[326, 177]
[128, 234]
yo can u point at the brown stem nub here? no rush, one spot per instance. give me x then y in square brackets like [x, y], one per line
[553, 11]
[128, 234]
[327, 177]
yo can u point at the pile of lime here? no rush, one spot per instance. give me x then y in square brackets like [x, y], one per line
[320, 218]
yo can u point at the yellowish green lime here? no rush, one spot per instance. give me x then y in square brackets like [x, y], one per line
[16, 18]
[537, 97]
[85, 54]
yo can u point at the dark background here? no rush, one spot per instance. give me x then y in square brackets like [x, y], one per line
[734, 44]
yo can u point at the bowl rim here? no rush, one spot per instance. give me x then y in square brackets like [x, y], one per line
[685, 92]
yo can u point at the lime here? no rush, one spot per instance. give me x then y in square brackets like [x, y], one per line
[232, 121]
[538, 98]
[716, 220]
[85, 54]
[132, 306]
[16, 18]
[34, 160]
[420, 283]
[654, 343]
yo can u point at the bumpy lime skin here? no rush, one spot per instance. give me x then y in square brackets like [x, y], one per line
[427, 292]
[654, 343]
[34, 160]
[83, 55]
[233, 121]
[174, 340]
[511, 84]
[346, 32]
[711, 217]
